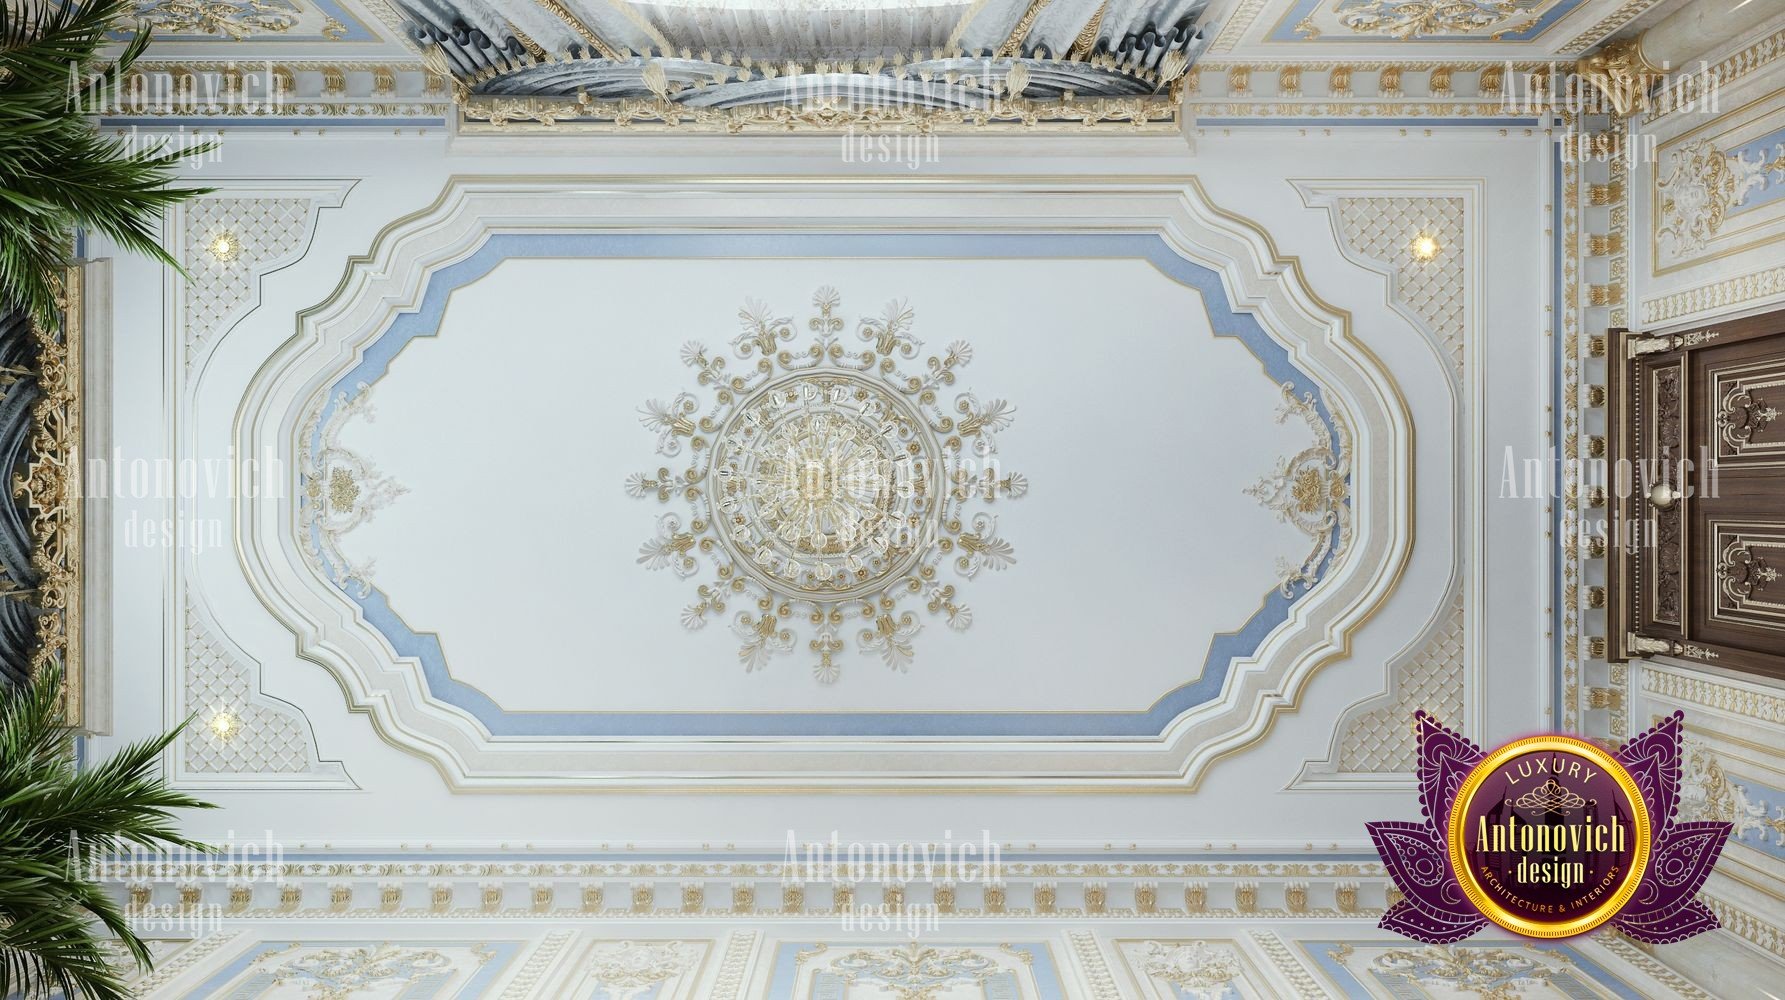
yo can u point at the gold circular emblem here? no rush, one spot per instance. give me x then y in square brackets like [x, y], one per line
[1549, 836]
[826, 486]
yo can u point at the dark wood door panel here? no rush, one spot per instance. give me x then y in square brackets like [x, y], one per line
[1698, 426]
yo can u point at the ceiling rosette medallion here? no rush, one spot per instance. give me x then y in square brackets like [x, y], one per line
[830, 486]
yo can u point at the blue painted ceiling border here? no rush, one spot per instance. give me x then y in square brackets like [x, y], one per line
[424, 321]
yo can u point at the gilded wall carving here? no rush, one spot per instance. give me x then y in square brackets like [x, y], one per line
[217, 17]
[1708, 793]
[1711, 183]
[1700, 185]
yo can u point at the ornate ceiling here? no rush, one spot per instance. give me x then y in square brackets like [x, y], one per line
[752, 65]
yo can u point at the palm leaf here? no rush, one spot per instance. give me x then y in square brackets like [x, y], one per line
[56, 822]
[57, 173]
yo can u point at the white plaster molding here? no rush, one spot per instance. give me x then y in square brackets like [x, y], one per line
[271, 744]
[1373, 224]
[271, 225]
[393, 277]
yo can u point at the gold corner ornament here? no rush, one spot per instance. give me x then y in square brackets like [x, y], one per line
[1621, 72]
[50, 489]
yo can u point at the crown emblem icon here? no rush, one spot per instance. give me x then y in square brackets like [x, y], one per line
[1549, 795]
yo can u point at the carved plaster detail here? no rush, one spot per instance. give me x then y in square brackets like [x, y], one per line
[263, 737]
[230, 242]
[1434, 290]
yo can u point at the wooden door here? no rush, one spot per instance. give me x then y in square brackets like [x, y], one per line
[1698, 494]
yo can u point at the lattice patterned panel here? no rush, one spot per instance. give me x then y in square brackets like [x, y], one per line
[265, 737]
[229, 243]
[1382, 228]
[1381, 740]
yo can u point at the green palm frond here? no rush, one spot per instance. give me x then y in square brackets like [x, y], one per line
[57, 823]
[57, 172]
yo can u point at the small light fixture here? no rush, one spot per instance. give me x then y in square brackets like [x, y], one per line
[1424, 248]
[224, 247]
[224, 726]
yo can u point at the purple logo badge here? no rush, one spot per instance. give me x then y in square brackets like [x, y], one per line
[1549, 836]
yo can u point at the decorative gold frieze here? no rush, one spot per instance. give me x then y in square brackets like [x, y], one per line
[1601, 195]
[1338, 81]
[1604, 698]
[1289, 81]
[945, 897]
[743, 898]
[1604, 245]
[1245, 897]
[693, 897]
[50, 491]
[1595, 597]
[390, 897]
[594, 899]
[1096, 898]
[1595, 446]
[1239, 81]
[289, 898]
[1046, 895]
[995, 897]
[490, 896]
[1388, 81]
[543, 897]
[1596, 647]
[1439, 82]
[234, 21]
[1596, 395]
[1604, 295]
